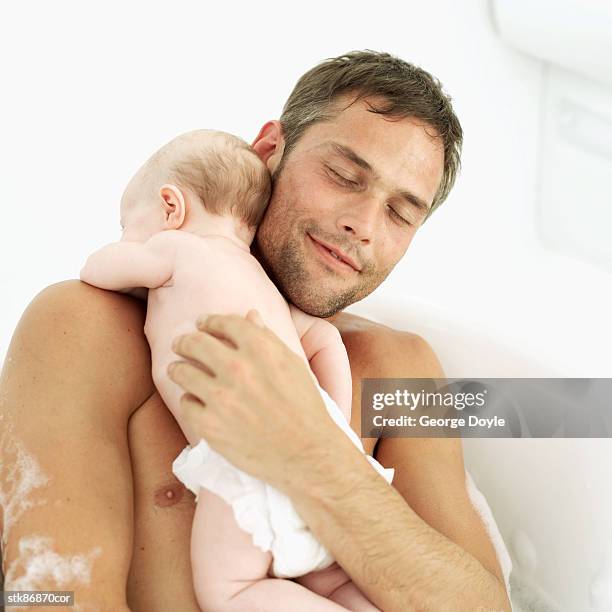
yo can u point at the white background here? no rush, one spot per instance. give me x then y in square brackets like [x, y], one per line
[90, 90]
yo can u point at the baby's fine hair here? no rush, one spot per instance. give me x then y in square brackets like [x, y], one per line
[222, 170]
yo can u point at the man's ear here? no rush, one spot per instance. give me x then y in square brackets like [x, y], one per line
[270, 144]
[173, 203]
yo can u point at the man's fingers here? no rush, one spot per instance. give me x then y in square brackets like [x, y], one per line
[231, 328]
[191, 378]
[204, 349]
[194, 413]
[191, 405]
[248, 334]
[254, 316]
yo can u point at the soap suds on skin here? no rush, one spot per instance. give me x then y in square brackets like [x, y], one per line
[20, 477]
[39, 565]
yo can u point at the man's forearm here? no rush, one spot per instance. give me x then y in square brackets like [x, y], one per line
[397, 559]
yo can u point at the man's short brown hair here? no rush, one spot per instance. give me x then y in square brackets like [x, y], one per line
[393, 87]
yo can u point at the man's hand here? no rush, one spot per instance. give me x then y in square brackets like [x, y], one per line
[251, 397]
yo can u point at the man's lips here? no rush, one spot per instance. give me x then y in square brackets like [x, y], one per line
[340, 256]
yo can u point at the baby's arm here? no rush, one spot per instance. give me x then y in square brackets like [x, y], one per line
[127, 264]
[327, 355]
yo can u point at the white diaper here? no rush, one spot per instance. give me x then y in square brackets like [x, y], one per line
[264, 512]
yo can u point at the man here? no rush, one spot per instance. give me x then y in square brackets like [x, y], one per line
[367, 147]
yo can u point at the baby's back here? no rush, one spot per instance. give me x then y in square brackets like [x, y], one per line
[212, 274]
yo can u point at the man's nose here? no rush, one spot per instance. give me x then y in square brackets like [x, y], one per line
[359, 219]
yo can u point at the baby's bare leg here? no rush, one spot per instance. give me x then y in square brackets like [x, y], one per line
[335, 584]
[230, 572]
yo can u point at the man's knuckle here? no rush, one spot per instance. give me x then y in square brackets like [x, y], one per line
[219, 393]
[237, 367]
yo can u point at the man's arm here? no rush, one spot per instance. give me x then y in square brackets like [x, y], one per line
[398, 560]
[395, 557]
[127, 264]
[429, 472]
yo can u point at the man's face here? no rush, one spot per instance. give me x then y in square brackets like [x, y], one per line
[358, 185]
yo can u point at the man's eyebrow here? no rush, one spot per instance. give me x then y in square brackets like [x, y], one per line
[414, 200]
[349, 154]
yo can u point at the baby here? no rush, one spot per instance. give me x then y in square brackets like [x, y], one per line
[189, 216]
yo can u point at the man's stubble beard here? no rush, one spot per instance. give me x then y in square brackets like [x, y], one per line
[279, 247]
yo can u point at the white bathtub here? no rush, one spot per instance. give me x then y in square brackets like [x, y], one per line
[552, 498]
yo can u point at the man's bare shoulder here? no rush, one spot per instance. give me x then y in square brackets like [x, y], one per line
[81, 319]
[381, 351]
[92, 332]
[77, 339]
[81, 302]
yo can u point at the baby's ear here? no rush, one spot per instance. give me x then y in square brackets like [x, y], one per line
[173, 203]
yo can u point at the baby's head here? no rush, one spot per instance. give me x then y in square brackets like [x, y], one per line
[204, 182]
